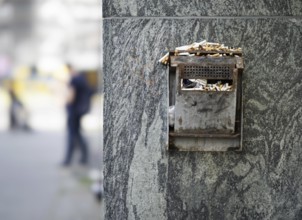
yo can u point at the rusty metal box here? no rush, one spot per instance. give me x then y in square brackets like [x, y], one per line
[206, 120]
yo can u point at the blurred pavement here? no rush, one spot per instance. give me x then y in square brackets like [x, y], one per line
[34, 186]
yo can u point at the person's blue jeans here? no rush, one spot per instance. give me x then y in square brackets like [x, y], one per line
[75, 138]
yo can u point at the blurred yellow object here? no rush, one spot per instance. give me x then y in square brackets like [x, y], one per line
[22, 72]
[4, 98]
[92, 78]
[61, 74]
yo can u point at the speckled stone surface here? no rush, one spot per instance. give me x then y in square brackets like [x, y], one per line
[145, 181]
[184, 8]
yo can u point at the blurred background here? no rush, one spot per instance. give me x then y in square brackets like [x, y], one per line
[37, 39]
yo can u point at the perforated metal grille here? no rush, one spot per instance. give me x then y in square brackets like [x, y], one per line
[207, 72]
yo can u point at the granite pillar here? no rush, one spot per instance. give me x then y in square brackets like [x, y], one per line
[143, 180]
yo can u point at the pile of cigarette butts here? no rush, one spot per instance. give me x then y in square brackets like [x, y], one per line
[195, 49]
[202, 85]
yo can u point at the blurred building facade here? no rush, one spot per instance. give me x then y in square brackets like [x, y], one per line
[48, 33]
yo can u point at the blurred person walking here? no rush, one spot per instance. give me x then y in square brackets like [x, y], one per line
[18, 115]
[78, 104]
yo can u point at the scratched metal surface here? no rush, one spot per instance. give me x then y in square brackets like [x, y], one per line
[205, 112]
[206, 144]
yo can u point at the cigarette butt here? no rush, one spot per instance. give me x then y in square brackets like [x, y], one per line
[202, 42]
[214, 55]
[186, 47]
[184, 54]
[166, 56]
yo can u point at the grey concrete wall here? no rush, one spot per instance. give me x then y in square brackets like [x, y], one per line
[145, 181]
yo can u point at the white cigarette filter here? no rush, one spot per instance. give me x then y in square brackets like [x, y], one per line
[164, 58]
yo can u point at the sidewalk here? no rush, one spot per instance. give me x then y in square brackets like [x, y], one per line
[34, 186]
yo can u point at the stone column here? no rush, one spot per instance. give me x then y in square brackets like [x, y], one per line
[143, 180]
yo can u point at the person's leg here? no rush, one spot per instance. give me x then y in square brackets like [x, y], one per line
[12, 117]
[81, 141]
[71, 137]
